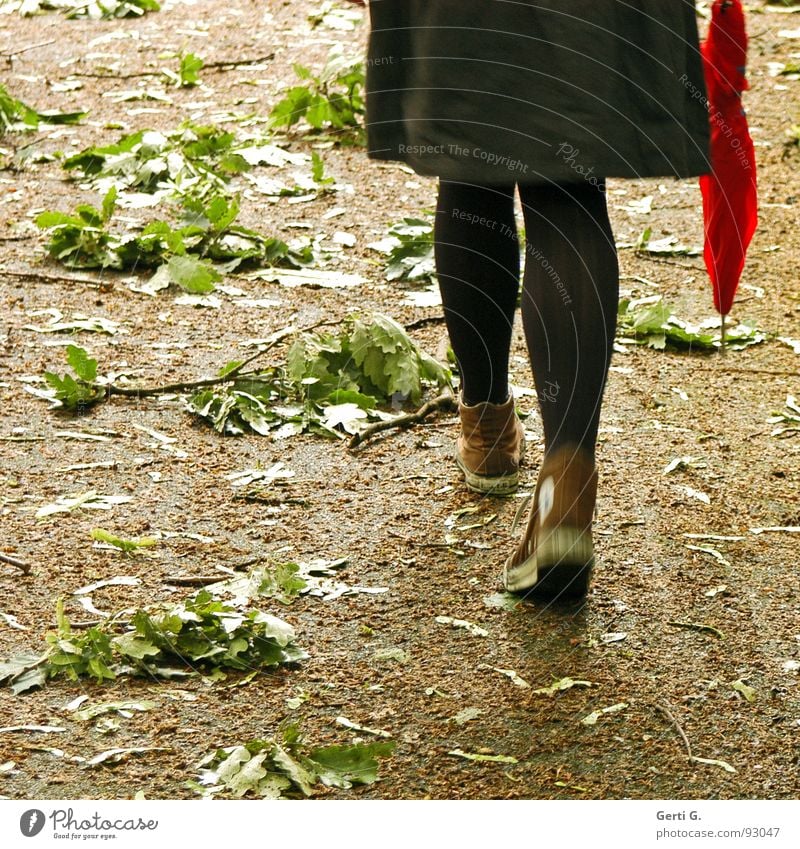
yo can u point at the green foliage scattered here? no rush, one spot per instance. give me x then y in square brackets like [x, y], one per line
[266, 769]
[16, 115]
[77, 391]
[652, 322]
[332, 100]
[788, 421]
[330, 381]
[107, 9]
[127, 546]
[411, 257]
[208, 231]
[188, 73]
[94, 9]
[202, 634]
[318, 171]
[81, 240]
[668, 246]
[193, 159]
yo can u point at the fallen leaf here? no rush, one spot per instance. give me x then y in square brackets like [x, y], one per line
[470, 627]
[512, 675]
[466, 715]
[118, 581]
[123, 708]
[749, 693]
[694, 493]
[354, 726]
[392, 654]
[471, 756]
[13, 622]
[592, 718]
[711, 762]
[44, 729]
[561, 685]
[116, 755]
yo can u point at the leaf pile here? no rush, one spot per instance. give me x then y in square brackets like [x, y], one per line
[202, 633]
[16, 115]
[328, 381]
[409, 246]
[79, 390]
[190, 158]
[265, 769]
[668, 246]
[206, 232]
[96, 10]
[330, 100]
[788, 421]
[652, 322]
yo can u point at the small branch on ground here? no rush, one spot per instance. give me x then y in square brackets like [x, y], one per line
[442, 404]
[222, 65]
[50, 278]
[8, 56]
[187, 386]
[413, 542]
[668, 713]
[664, 261]
[194, 580]
[422, 322]
[14, 561]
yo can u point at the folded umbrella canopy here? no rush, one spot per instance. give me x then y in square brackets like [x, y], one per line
[730, 200]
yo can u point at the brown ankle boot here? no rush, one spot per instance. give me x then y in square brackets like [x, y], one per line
[556, 556]
[490, 447]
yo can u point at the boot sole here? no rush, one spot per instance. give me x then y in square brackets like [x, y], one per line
[487, 484]
[506, 484]
[561, 567]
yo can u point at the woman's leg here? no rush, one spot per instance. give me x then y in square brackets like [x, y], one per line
[477, 263]
[569, 310]
[569, 306]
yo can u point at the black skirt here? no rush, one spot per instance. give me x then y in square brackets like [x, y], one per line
[499, 91]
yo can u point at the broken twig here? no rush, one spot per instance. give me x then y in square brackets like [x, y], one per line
[222, 65]
[13, 561]
[187, 386]
[442, 404]
[668, 713]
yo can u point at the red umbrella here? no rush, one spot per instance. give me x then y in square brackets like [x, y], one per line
[730, 203]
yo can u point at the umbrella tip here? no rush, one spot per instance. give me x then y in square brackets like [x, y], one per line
[722, 335]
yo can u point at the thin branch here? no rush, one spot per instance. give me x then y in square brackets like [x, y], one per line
[664, 261]
[10, 54]
[761, 371]
[443, 403]
[222, 65]
[194, 580]
[187, 386]
[668, 713]
[49, 278]
[413, 542]
[422, 322]
[13, 561]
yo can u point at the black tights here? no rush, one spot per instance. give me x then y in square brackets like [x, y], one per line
[569, 296]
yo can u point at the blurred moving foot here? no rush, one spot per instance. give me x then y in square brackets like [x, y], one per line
[555, 556]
